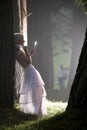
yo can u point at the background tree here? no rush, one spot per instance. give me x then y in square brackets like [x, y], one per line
[62, 21]
[39, 29]
[76, 27]
[7, 57]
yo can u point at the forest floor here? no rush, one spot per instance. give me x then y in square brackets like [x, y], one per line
[56, 119]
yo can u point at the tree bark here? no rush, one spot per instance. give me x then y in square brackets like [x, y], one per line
[20, 26]
[78, 31]
[7, 54]
[78, 93]
[24, 20]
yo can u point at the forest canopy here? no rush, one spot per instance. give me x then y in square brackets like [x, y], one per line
[83, 3]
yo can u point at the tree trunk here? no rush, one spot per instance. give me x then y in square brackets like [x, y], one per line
[24, 20]
[20, 26]
[7, 57]
[78, 31]
[17, 16]
[78, 93]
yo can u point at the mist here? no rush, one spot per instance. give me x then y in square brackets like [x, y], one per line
[59, 29]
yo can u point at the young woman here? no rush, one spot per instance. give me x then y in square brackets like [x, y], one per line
[32, 92]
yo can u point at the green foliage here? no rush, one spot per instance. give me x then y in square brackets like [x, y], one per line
[78, 1]
[83, 3]
[54, 107]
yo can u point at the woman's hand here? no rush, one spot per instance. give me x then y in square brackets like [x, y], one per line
[32, 52]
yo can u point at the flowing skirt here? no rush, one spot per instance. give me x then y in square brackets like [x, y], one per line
[32, 92]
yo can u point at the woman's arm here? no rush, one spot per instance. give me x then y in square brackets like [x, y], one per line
[21, 57]
[28, 55]
[32, 52]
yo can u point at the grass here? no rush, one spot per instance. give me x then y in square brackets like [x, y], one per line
[56, 119]
[55, 107]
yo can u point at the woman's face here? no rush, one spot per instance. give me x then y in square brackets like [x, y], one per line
[22, 42]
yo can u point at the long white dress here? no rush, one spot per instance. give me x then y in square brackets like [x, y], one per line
[32, 92]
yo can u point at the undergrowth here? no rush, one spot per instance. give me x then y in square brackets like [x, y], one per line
[56, 119]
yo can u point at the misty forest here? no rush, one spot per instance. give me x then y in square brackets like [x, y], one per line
[60, 29]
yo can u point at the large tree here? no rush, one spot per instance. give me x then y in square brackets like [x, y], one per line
[20, 26]
[78, 93]
[7, 62]
[78, 31]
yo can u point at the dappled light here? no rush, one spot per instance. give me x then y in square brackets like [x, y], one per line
[60, 34]
[53, 107]
[12, 119]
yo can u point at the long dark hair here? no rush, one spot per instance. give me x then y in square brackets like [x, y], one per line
[28, 55]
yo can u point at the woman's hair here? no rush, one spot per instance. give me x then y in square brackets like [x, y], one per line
[28, 55]
[18, 37]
